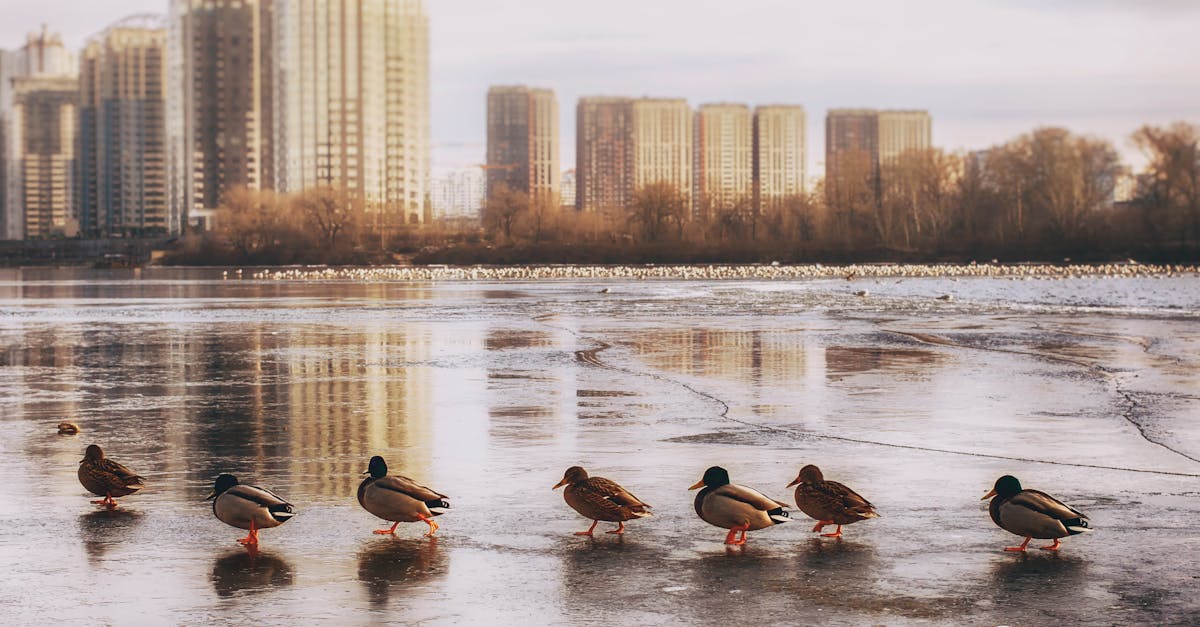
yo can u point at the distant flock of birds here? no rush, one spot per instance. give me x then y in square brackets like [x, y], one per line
[720, 502]
[774, 270]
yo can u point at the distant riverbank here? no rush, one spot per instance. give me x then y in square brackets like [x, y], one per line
[709, 272]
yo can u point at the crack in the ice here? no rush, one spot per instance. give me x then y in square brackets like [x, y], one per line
[591, 357]
[1109, 375]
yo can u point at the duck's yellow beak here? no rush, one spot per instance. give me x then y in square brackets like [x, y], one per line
[794, 482]
[699, 484]
[560, 484]
[211, 496]
[988, 495]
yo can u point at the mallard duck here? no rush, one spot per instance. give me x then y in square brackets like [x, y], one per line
[104, 477]
[399, 499]
[600, 499]
[734, 507]
[68, 428]
[830, 502]
[1033, 514]
[248, 507]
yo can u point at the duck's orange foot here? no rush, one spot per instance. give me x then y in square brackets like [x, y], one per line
[821, 525]
[589, 529]
[433, 527]
[1052, 547]
[835, 534]
[392, 531]
[1018, 549]
[248, 541]
[620, 528]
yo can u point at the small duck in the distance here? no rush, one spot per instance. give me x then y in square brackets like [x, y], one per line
[1033, 514]
[399, 499]
[104, 477]
[68, 428]
[248, 507]
[736, 508]
[600, 499]
[830, 502]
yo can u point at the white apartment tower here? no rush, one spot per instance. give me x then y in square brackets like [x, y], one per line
[903, 130]
[779, 153]
[724, 157]
[662, 143]
[352, 101]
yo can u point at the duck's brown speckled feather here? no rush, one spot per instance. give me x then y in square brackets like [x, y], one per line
[832, 501]
[598, 498]
[106, 477]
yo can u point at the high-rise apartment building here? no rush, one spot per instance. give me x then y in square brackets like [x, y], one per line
[522, 140]
[568, 188]
[220, 104]
[724, 158]
[122, 144]
[604, 155]
[459, 193]
[42, 157]
[662, 144]
[779, 153]
[900, 131]
[851, 147]
[859, 141]
[42, 55]
[352, 95]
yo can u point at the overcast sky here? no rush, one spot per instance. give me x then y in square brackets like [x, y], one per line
[987, 70]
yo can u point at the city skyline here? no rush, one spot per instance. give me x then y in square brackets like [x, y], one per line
[1096, 68]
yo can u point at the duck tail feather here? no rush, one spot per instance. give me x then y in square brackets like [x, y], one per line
[779, 515]
[437, 506]
[281, 512]
[1077, 526]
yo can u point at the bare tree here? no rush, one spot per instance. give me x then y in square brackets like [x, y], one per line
[330, 213]
[656, 208]
[1168, 192]
[504, 206]
[253, 220]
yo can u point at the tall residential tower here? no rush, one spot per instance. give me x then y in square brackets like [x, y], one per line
[724, 158]
[122, 156]
[604, 155]
[220, 104]
[352, 94]
[522, 140]
[42, 55]
[779, 154]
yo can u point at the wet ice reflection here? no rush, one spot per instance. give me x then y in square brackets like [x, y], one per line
[490, 392]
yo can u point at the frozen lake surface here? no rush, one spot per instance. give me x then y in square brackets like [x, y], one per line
[1086, 388]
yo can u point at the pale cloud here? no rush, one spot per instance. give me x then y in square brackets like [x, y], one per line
[986, 69]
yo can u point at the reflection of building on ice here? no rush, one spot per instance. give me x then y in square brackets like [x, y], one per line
[760, 361]
[354, 393]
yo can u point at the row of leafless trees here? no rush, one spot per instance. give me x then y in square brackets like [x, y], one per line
[1043, 195]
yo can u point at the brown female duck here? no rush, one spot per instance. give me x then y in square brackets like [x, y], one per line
[599, 499]
[830, 502]
[104, 477]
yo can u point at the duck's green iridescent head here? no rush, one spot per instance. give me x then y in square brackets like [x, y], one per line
[1005, 487]
[714, 477]
[377, 468]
